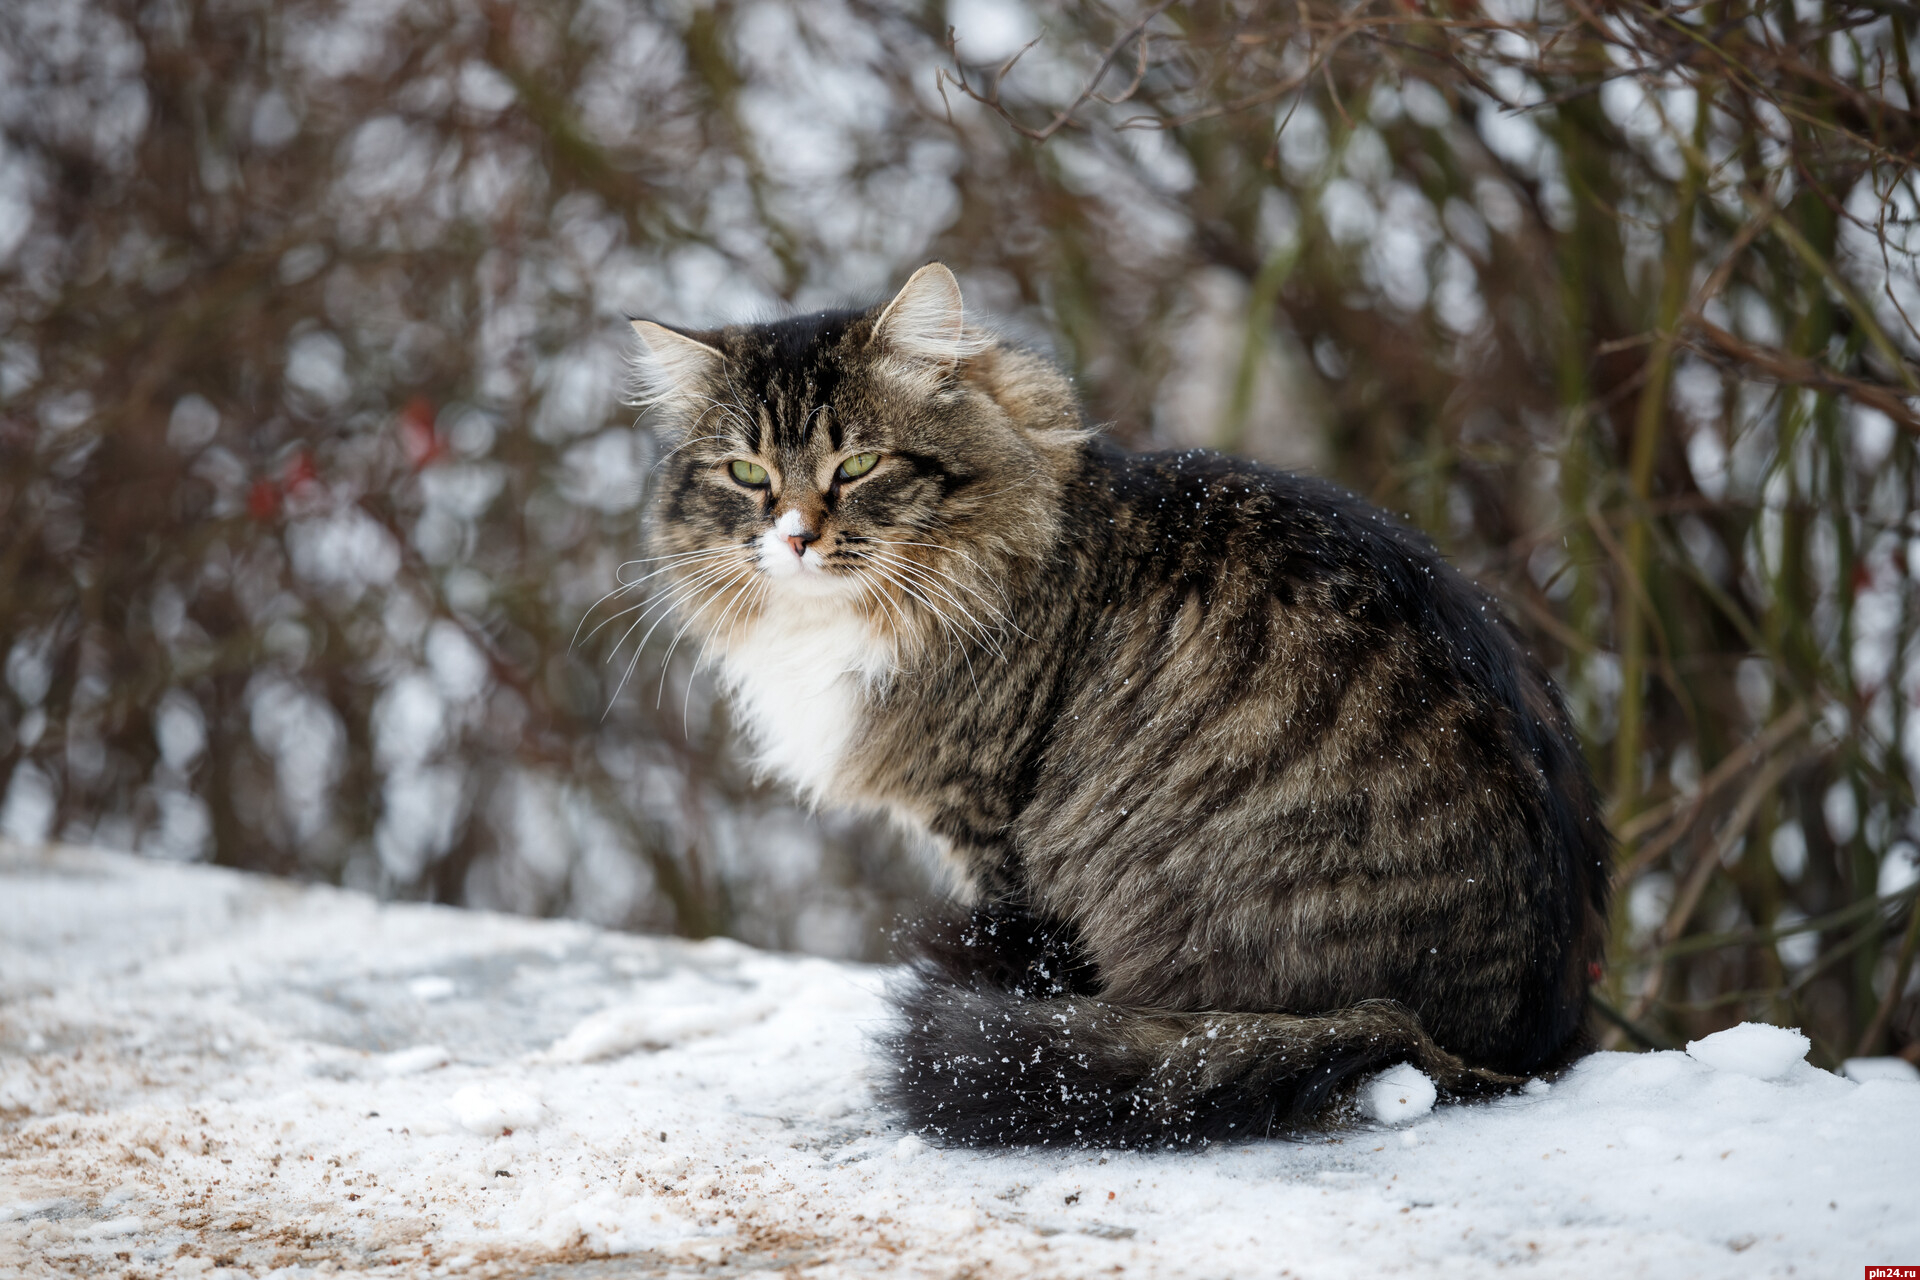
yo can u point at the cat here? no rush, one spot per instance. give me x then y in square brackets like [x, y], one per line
[1250, 793]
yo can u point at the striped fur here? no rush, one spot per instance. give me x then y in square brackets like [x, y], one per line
[1270, 792]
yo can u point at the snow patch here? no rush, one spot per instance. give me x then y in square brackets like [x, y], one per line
[749, 1137]
[1752, 1049]
[643, 1024]
[429, 987]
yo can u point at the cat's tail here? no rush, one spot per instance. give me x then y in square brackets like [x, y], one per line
[1014, 1059]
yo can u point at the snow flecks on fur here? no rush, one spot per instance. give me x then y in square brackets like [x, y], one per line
[1001, 1040]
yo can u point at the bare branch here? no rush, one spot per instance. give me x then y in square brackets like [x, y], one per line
[991, 98]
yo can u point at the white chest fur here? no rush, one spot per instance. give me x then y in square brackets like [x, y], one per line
[800, 679]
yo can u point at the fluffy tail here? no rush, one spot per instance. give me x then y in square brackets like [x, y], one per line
[997, 1044]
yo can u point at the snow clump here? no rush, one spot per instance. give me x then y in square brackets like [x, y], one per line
[1398, 1094]
[407, 1062]
[1751, 1049]
[494, 1107]
[1865, 1069]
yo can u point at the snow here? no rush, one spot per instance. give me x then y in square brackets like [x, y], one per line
[203, 1073]
[406, 1062]
[1879, 1069]
[1752, 1049]
[494, 1109]
[1398, 1094]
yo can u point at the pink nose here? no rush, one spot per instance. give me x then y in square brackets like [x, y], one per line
[799, 541]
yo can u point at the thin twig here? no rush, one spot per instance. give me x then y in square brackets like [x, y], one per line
[1708, 858]
[990, 97]
[1678, 814]
[1798, 371]
[1896, 987]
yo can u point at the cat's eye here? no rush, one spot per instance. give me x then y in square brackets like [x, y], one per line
[748, 473]
[858, 465]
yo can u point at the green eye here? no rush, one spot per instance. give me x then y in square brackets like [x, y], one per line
[748, 473]
[858, 465]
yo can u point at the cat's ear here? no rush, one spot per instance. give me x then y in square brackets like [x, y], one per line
[926, 322]
[668, 364]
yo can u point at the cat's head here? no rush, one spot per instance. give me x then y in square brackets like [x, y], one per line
[897, 462]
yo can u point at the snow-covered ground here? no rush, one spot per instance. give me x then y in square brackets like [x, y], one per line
[201, 1070]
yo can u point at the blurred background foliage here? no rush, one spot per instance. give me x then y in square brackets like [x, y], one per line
[312, 462]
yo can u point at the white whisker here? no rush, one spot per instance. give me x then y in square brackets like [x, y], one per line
[922, 578]
[666, 662]
[732, 412]
[677, 555]
[953, 638]
[753, 585]
[642, 646]
[676, 594]
[719, 622]
[954, 581]
[956, 551]
[624, 587]
[888, 610]
[662, 460]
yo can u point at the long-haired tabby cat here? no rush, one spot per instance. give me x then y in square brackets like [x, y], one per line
[1251, 792]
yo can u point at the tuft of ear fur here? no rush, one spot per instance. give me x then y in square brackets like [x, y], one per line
[926, 322]
[667, 364]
